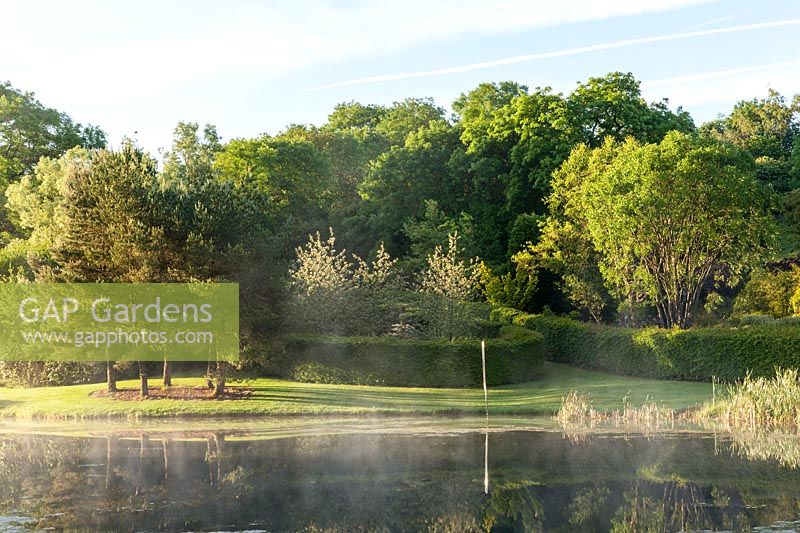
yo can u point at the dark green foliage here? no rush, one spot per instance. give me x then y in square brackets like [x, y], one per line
[515, 357]
[432, 230]
[698, 354]
[524, 230]
[47, 373]
[402, 179]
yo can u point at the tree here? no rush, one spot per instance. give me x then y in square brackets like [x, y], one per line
[668, 219]
[106, 234]
[406, 117]
[291, 173]
[192, 156]
[402, 179]
[450, 285]
[542, 140]
[123, 222]
[478, 108]
[515, 289]
[35, 205]
[769, 129]
[775, 294]
[347, 153]
[565, 246]
[566, 249]
[30, 131]
[433, 229]
[612, 106]
[514, 141]
[353, 115]
[333, 293]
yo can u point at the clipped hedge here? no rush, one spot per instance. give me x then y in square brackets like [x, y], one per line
[698, 354]
[515, 357]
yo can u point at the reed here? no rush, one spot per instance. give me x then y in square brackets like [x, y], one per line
[577, 408]
[763, 402]
[577, 412]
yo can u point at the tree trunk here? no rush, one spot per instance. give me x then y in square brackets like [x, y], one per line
[219, 381]
[167, 373]
[143, 388]
[209, 376]
[111, 377]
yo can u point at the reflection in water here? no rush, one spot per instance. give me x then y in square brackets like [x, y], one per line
[376, 481]
[766, 445]
[486, 463]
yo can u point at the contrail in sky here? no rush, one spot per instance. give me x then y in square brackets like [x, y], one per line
[556, 53]
[718, 74]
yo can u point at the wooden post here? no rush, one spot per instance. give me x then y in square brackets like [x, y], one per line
[485, 390]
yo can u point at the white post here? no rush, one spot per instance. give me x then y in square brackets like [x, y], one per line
[485, 390]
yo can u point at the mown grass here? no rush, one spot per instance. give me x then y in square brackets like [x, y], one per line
[280, 397]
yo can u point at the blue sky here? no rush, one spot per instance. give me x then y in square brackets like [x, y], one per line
[137, 68]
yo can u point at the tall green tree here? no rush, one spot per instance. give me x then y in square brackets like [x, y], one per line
[612, 106]
[406, 117]
[193, 153]
[426, 167]
[291, 173]
[565, 246]
[107, 235]
[433, 229]
[669, 219]
[769, 129]
[30, 131]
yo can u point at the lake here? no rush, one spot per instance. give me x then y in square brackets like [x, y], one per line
[393, 474]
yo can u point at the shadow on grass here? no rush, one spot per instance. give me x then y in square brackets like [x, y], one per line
[365, 398]
[6, 403]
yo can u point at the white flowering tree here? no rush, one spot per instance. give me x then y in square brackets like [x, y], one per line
[449, 286]
[335, 294]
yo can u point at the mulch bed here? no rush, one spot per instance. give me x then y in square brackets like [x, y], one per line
[175, 393]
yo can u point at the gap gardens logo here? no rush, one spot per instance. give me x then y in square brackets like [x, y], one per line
[118, 321]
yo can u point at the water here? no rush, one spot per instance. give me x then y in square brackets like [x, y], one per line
[393, 475]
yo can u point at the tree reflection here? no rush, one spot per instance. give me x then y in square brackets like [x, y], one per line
[539, 481]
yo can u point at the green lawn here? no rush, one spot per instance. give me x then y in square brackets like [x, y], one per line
[278, 397]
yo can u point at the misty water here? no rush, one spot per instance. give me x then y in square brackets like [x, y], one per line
[394, 475]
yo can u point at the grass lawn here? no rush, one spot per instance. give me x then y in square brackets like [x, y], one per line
[279, 397]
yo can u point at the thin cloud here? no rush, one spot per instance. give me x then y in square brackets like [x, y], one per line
[711, 22]
[554, 54]
[689, 78]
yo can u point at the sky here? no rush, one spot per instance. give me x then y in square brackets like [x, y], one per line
[250, 67]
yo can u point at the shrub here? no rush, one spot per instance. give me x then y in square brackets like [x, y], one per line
[770, 293]
[515, 357]
[695, 354]
[318, 373]
[47, 373]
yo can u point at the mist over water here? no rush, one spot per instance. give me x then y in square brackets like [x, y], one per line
[377, 477]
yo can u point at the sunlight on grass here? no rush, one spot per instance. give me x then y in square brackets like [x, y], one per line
[279, 397]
